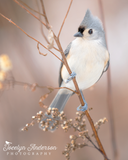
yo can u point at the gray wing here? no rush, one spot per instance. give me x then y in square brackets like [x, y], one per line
[66, 53]
[106, 67]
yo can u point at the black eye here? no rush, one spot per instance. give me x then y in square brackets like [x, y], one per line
[90, 31]
[81, 29]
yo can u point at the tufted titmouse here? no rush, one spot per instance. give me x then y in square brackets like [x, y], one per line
[87, 57]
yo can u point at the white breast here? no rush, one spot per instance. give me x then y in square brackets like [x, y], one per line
[86, 59]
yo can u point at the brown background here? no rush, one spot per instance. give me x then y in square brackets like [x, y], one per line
[18, 105]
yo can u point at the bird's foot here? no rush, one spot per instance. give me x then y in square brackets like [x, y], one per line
[85, 107]
[72, 75]
[82, 108]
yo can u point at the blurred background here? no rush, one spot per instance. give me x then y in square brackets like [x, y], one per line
[18, 105]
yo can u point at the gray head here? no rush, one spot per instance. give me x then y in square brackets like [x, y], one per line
[91, 28]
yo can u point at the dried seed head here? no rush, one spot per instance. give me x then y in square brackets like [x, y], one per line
[73, 142]
[22, 129]
[67, 155]
[52, 127]
[77, 113]
[49, 120]
[42, 122]
[64, 152]
[67, 145]
[40, 112]
[33, 87]
[27, 125]
[48, 112]
[33, 117]
[45, 129]
[32, 123]
[73, 137]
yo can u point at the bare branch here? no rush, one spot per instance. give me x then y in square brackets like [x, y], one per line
[95, 134]
[97, 148]
[29, 11]
[29, 35]
[30, 8]
[41, 23]
[46, 19]
[65, 18]
[41, 27]
[39, 50]
[35, 85]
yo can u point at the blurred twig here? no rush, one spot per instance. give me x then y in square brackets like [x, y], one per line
[34, 85]
[30, 8]
[39, 50]
[109, 96]
[29, 35]
[28, 11]
[46, 19]
[41, 23]
[65, 18]
[41, 27]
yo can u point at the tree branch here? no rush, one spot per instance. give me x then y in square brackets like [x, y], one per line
[29, 35]
[41, 27]
[29, 11]
[46, 19]
[65, 17]
[14, 82]
[30, 8]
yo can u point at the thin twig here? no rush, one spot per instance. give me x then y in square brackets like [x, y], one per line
[46, 19]
[95, 134]
[29, 35]
[36, 85]
[39, 50]
[41, 27]
[41, 23]
[30, 8]
[96, 147]
[28, 11]
[89, 139]
[109, 96]
[65, 18]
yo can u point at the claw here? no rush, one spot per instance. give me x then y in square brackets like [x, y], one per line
[85, 107]
[72, 75]
[82, 108]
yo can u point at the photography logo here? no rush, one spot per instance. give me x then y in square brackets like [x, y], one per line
[32, 149]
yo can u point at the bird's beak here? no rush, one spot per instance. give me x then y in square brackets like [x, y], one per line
[78, 34]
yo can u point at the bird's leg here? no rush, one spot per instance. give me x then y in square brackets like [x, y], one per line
[85, 107]
[72, 75]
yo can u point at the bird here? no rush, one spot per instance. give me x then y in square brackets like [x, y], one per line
[88, 58]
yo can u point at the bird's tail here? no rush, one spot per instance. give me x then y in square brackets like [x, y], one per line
[58, 102]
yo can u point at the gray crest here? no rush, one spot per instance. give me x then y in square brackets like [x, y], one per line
[90, 21]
